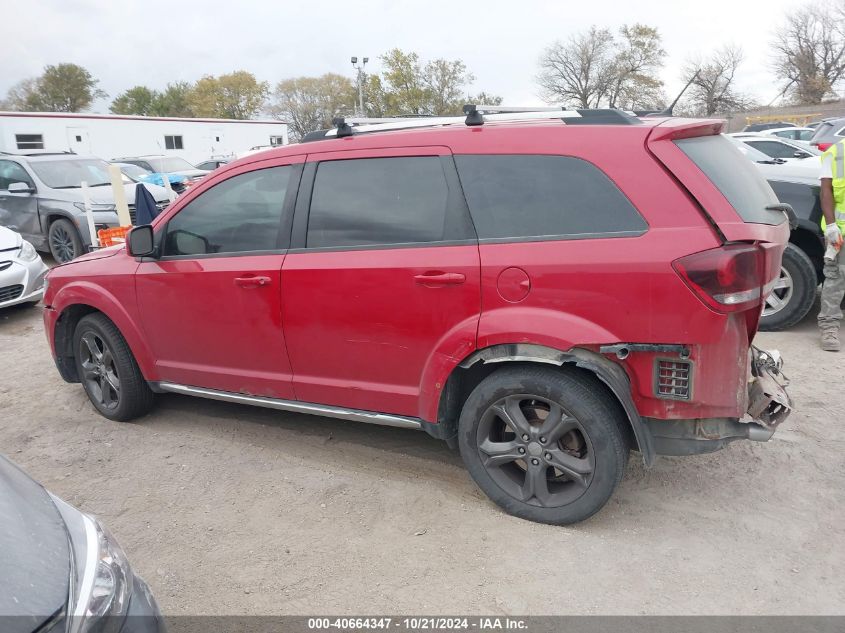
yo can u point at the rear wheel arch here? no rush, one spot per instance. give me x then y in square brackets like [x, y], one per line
[604, 373]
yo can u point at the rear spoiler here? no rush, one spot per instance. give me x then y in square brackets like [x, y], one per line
[673, 129]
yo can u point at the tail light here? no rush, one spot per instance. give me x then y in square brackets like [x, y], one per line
[823, 147]
[730, 278]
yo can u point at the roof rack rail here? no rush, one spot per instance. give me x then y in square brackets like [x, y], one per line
[474, 115]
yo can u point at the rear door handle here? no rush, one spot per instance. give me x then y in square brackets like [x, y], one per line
[437, 278]
[252, 282]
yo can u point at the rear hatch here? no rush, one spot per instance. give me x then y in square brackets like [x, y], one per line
[741, 207]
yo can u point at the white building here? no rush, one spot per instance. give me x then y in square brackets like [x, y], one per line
[111, 136]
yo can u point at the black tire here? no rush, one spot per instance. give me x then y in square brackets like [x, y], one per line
[800, 273]
[598, 440]
[64, 241]
[113, 382]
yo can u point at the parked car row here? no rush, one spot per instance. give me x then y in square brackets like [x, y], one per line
[41, 197]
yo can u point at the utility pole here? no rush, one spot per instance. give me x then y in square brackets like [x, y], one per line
[360, 69]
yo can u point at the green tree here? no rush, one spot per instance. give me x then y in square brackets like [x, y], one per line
[138, 100]
[237, 95]
[444, 81]
[63, 88]
[639, 59]
[20, 95]
[309, 103]
[404, 84]
[484, 98]
[174, 101]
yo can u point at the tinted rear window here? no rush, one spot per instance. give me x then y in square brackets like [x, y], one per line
[372, 201]
[526, 196]
[735, 176]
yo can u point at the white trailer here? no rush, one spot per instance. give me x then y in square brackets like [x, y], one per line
[111, 136]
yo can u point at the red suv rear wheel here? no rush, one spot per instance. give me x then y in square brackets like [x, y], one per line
[542, 444]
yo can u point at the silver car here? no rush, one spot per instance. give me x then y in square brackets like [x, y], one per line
[21, 270]
[41, 198]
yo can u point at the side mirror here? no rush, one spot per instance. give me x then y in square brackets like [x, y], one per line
[800, 154]
[140, 242]
[20, 187]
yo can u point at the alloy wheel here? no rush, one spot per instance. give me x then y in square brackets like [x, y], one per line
[99, 371]
[61, 244]
[535, 450]
[780, 295]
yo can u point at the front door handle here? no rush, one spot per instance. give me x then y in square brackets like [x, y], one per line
[252, 282]
[438, 278]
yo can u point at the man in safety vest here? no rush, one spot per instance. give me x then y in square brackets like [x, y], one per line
[833, 224]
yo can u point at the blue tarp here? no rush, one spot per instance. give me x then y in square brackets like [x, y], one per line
[145, 205]
[158, 179]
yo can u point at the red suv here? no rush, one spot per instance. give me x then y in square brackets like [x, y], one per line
[544, 294]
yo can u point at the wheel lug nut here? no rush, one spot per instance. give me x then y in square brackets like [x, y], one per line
[542, 440]
[548, 456]
[535, 461]
[521, 451]
[525, 436]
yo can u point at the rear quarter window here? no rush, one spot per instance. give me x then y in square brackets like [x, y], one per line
[556, 197]
[735, 176]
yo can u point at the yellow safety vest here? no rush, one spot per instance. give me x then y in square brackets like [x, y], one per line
[837, 154]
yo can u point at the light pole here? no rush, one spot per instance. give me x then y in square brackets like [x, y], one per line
[360, 69]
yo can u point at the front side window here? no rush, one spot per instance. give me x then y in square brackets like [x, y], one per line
[529, 196]
[173, 142]
[239, 215]
[29, 141]
[12, 172]
[371, 201]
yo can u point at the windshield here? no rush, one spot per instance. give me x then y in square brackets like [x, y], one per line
[169, 163]
[70, 174]
[134, 171]
[749, 152]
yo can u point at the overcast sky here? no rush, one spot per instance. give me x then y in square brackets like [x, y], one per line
[151, 42]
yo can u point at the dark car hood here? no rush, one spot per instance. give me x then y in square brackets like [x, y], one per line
[34, 553]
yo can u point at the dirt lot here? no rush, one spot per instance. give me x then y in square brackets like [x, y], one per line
[226, 509]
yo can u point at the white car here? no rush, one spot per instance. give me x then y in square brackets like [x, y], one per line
[21, 270]
[804, 171]
[775, 147]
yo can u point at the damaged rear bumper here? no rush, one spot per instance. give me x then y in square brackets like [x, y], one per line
[768, 406]
[768, 402]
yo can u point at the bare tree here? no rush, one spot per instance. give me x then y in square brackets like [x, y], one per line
[594, 69]
[810, 52]
[713, 89]
[636, 66]
[579, 70]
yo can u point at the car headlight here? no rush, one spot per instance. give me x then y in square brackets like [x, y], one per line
[28, 252]
[106, 580]
[96, 207]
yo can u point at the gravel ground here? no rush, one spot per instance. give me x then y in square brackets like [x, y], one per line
[228, 509]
